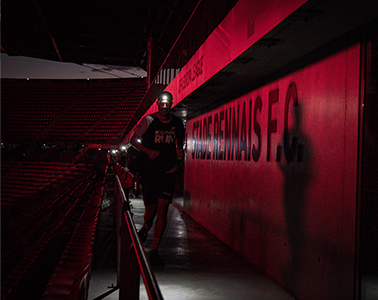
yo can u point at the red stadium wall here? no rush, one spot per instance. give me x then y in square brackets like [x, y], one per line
[246, 24]
[274, 173]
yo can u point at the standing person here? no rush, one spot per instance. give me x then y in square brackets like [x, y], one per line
[159, 137]
[125, 177]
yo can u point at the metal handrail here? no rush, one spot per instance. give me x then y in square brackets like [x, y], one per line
[146, 271]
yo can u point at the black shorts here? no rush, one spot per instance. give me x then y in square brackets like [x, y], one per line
[157, 185]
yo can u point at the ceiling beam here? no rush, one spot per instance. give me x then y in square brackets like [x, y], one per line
[48, 29]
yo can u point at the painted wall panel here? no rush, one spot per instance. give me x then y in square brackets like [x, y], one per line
[246, 23]
[273, 174]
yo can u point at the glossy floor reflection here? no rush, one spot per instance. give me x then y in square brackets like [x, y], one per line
[197, 265]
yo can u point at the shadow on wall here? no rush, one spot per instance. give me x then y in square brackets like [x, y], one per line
[296, 168]
[187, 203]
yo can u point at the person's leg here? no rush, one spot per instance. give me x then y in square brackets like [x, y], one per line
[149, 216]
[167, 187]
[150, 199]
[161, 222]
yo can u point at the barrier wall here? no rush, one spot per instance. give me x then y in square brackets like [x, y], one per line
[273, 174]
[244, 25]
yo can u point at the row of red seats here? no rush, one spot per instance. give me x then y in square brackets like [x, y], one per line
[29, 177]
[52, 217]
[59, 105]
[25, 218]
[71, 277]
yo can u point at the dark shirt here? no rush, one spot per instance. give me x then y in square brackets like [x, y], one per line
[157, 135]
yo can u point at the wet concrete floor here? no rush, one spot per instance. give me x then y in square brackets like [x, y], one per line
[197, 266]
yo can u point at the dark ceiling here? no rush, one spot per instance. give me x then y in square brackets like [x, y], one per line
[108, 32]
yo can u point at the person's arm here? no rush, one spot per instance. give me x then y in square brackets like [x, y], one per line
[179, 147]
[138, 132]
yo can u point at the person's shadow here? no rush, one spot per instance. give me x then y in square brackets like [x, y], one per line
[296, 167]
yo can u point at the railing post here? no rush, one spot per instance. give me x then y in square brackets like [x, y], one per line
[131, 257]
[129, 279]
[128, 272]
[117, 226]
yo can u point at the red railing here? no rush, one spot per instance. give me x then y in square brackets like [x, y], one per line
[132, 261]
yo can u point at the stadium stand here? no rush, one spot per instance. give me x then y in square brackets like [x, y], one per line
[67, 111]
[52, 179]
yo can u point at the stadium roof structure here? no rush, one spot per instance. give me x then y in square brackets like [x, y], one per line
[95, 32]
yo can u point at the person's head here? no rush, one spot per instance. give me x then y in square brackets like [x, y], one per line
[164, 102]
